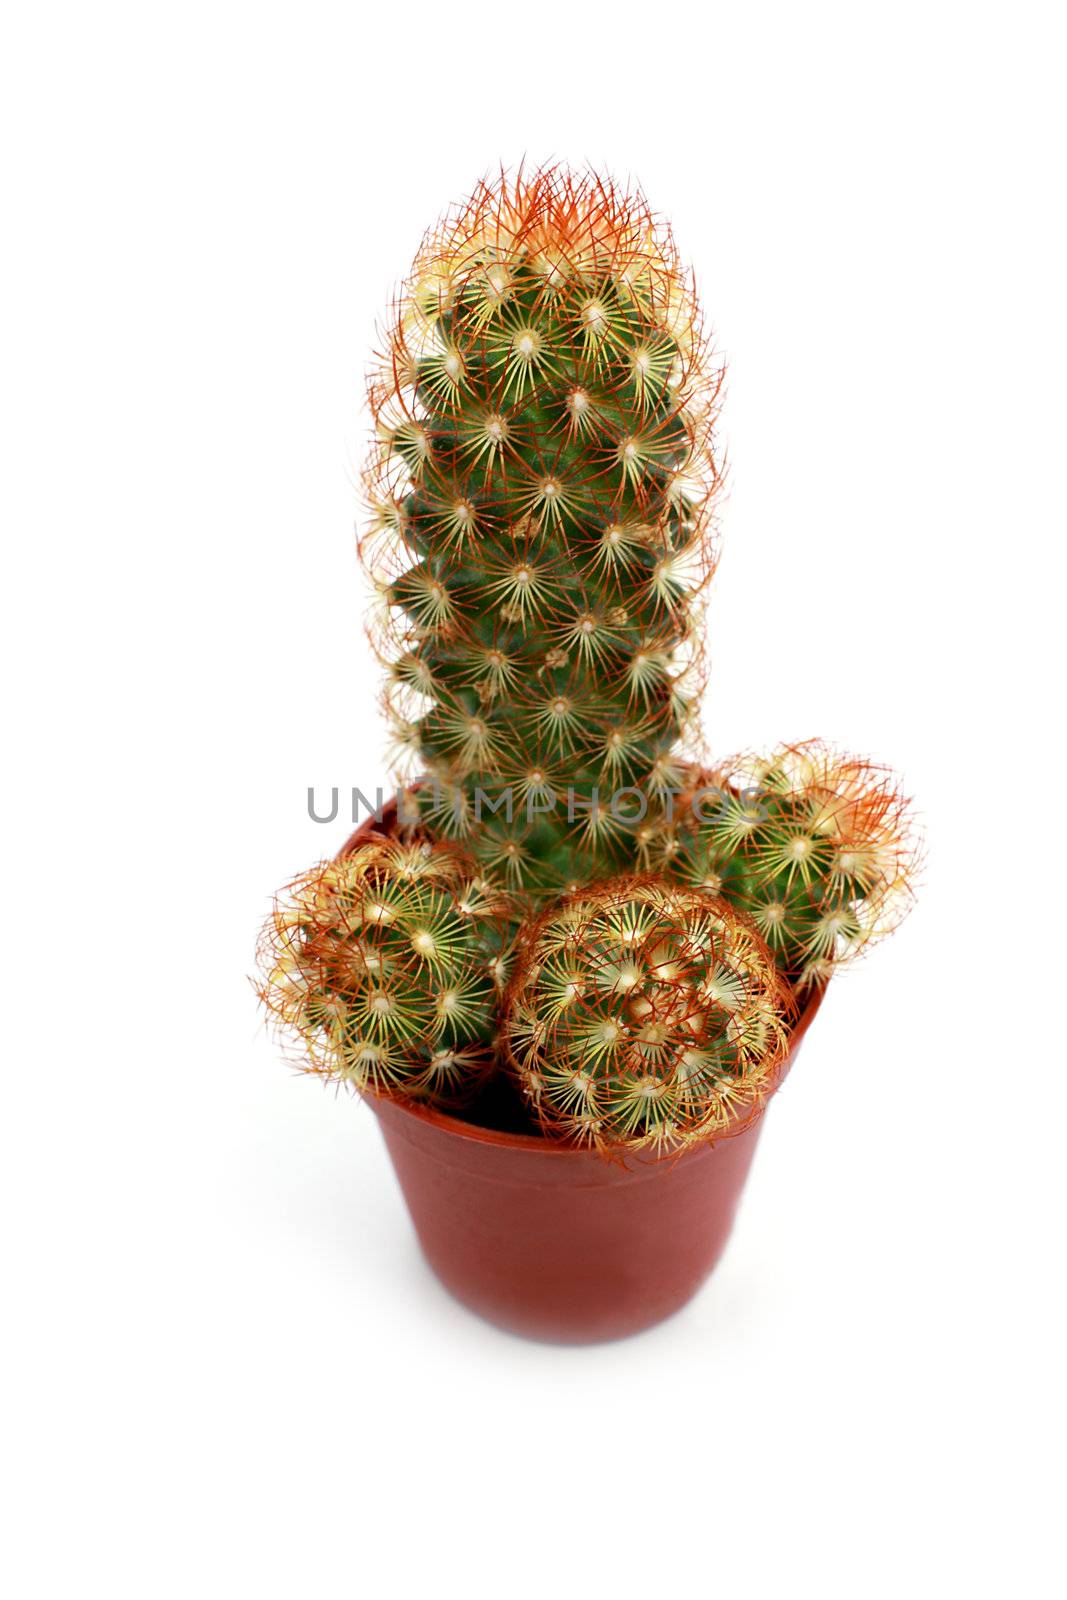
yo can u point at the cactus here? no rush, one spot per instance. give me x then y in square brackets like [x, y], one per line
[542, 490]
[818, 848]
[384, 968]
[644, 1015]
[541, 493]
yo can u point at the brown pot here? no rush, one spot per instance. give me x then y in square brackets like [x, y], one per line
[555, 1242]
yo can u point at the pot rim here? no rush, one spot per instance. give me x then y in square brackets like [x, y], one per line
[460, 1129]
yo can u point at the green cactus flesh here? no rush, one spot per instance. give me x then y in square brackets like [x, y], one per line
[542, 490]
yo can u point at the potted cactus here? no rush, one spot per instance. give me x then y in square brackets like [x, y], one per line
[570, 963]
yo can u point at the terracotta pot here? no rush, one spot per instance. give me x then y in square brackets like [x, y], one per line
[556, 1243]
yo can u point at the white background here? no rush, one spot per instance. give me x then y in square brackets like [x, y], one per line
[229, 1371]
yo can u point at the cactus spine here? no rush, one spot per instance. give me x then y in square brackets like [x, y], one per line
[384, 968]
[644, 1015]
[541, 492]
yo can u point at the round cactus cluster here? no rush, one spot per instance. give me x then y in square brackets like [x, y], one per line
[541, 490]
[817, 847]
[645, 1015]
[385, 966]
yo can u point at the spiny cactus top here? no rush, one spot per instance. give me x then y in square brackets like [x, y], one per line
[819, 848]
[541, 491]
[644, 1014]
[385, 967]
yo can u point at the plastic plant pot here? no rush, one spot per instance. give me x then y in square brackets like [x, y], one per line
[556, 1243]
